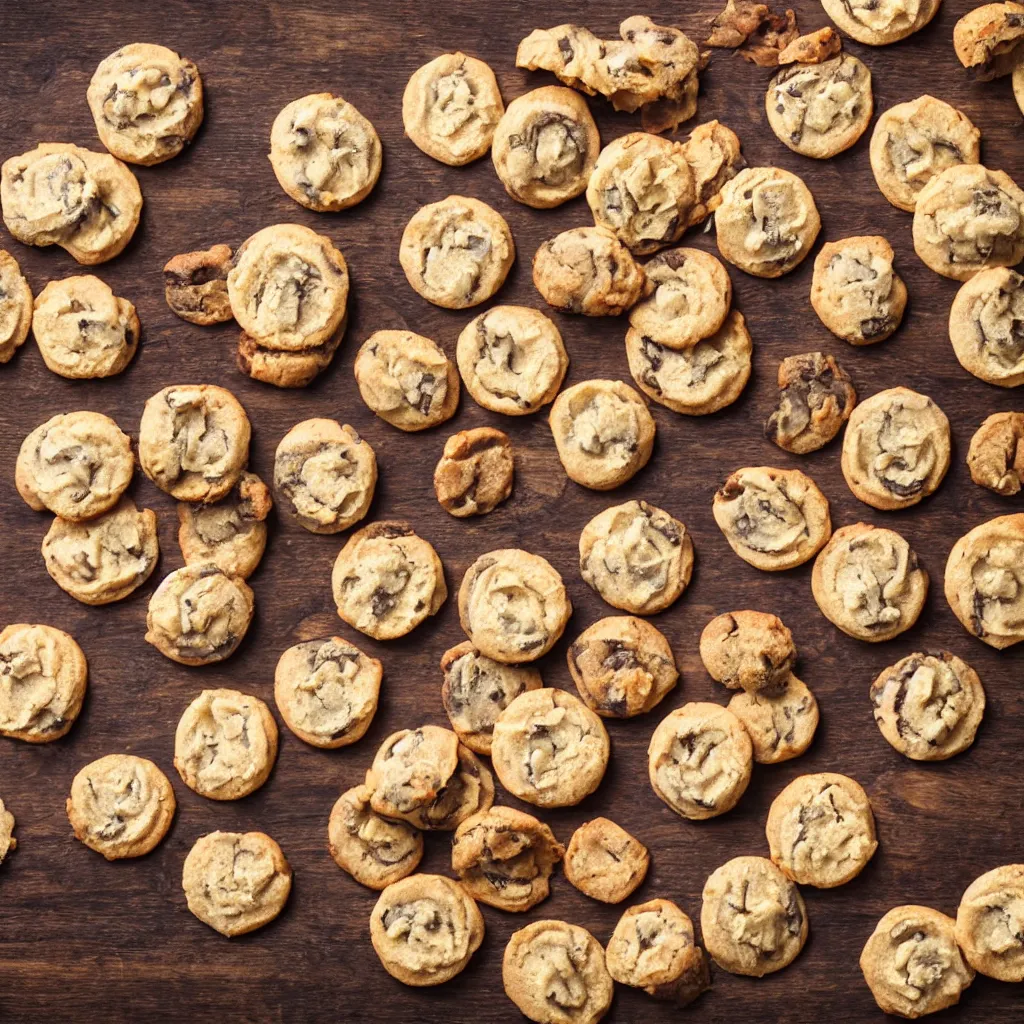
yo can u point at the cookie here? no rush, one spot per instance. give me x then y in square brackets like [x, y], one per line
[504, 858]
[194, 441]
[820, 110]
[781, 725]
[996, 455]
[588, 271]
[326, 691]
[387, 580]
[57, 194]
[767, 221]
[513, 605]
[605, 862]
[236, 882]
[856, 292]
[687, 298]
[456, 253]
[713, 153]
[1018, 84]
[555, 973]
[812, 48]
[637, 557]
[622, 666]
[748, 650]
[549, 749]
[695, 381]
[545, 147]
[474, 474]
[699, 760]
[451, 107]
[76, 464]
[103, 559]
[878, 24]
[230, 533]
[753, 917]
[42, 682]
[990, 923]
[199, 614]
[774, 519]
[425, 929]
[121, 806]
[326, 473]
[968, 219]
[374, 850]
[868, 582]
[603, 431]
[816, 397]
[928, 706]
[325, 154]
[912, 142]
[912, 963]
[15, 307]
[196, 285]
[896, 449]
[285, 369]
[7, 841]
[986, 326]
[988, 39]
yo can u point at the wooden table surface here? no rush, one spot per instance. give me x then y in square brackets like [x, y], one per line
[84, 940]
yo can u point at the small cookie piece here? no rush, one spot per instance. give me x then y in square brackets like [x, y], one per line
[549, 749]
[194, 441]
[474, 474]
[231, 533]
[513, 605]
[387, 580]
[699, 760]
[121, 806]
[774, 519]
[816, 397]
[196, 285]
[988, 39]
[856, 292]
[896, 449]
[986, 326]
[968, 219]
[637, 557]
[928, 706]
[868, 582]
[812, 48]
[1018, 84]
[695, 381]
[199, 614]
[545, 147]
[504, 858]
[326, 691]
[821, 830]
[990, 923]
[753, 917]
[758, 34]
[103, 559]
[425, 928]
[451, 107]
[15, 307]
[76, 464]
[325, 154]
[588, 271]
[236, 882]
[912, 963]
[512, 359]
[555, 973]
[748, 650]
[327, 474]
[374, 850]
[603, 431]
[457, 252]
[7, 841]
[878, 24]
[622, 666]
[767, 221]
[912, 142]
[713, 153]
[996, 455]
[42, 682]
[605, 862]
[285, 369]
[781, 725]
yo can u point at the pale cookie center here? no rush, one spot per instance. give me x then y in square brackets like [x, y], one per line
[920, 961]
[330, 696]
[556, 968]
[917, 154]
[905, 454]
[975, 220]
[766, 519]
[387, 842]
[453, 105]
[553, 747]
[71, 460]
[998, 600]
[427, 932]
[702, 767]
[999, 318]
[120, 805]
[200, 445]
[31, 695]
[879, 15]
[330, 480]
[57, 193]
[826, 832]
[606, 428]
[236, 881]
[777, 215]
[756, 916]
[80, 328]
[819, 99]
[113, 548]
[478, 694]
[644, 196]
[289, 295]
[932, 704]
[226, 745]
[332, 151]
[454, 261]
[999, 928]
[871, 579]
[144, 94]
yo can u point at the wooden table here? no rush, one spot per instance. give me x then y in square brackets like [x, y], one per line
[84, 940]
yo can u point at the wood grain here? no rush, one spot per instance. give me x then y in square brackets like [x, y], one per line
[86, 940]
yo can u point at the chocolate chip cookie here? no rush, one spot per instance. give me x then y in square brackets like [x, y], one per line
[713, 153]
[988, 39]
[475, 472]
[604, 861]
[748, 650]
[990, 923]
[196, 285]
[816, 397]
[996, 455]
[15, 307]
[782, 724]
[986, 326]
[879, 24]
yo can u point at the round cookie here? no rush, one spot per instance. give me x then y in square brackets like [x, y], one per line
[753, 917]
[325, 154]
[605, 862]
[996, 454]
[15, 307]
[549, 749]
[748, 650]
[451, 107]
[990, 923]
[326, 691]
[457, 252]
[121, 806]
[816, 397]
[475, 472]
[986, 326]
[387, 580]
[928, 706]
[987, 39]
[196, 285]
[545, 147]
[878, 24]
[781, 725]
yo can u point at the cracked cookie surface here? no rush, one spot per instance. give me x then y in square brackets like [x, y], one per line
[475, 472]
[986, 326]
[781, 725]
[816, 397]
[604, 861]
